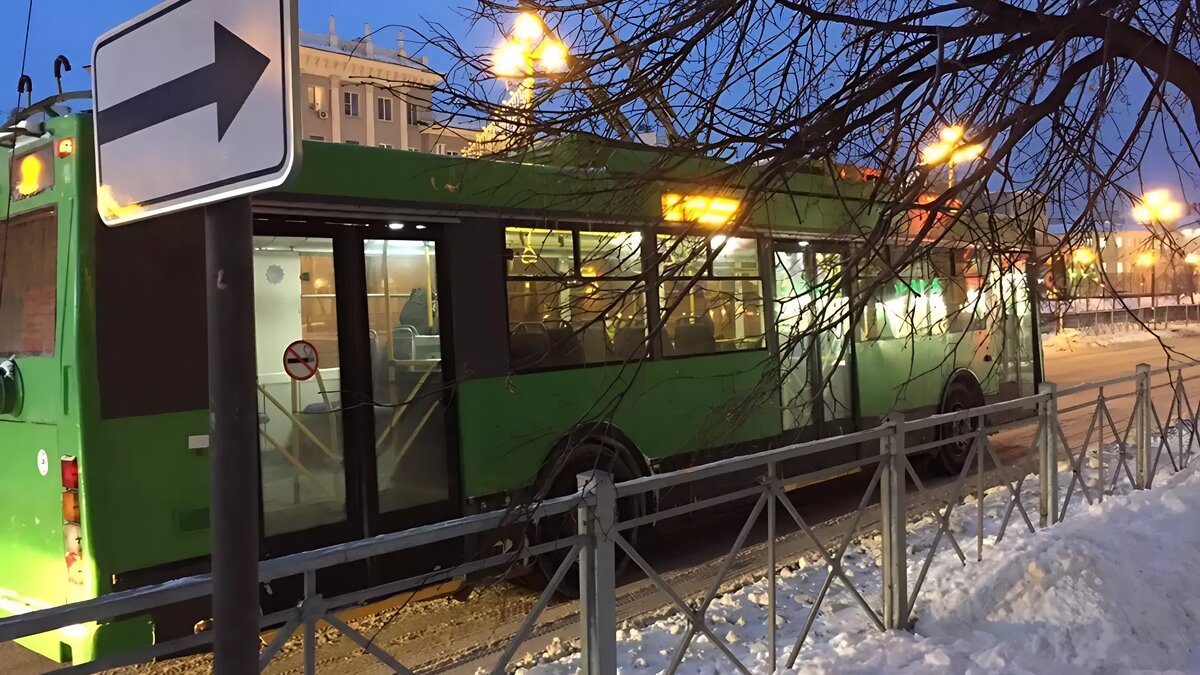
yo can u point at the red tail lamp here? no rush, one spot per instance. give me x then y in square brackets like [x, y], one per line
[70, 473]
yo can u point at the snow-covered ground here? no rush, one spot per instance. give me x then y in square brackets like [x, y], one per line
[1070, 339]
[1110, 590]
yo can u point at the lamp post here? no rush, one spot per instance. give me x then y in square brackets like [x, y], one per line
[1156, 207]
[529, 51]
[951, 149]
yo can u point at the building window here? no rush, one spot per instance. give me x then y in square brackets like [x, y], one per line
[383, 109]
[316, 138]
[386, 146]
[452, 153]
[574, 297]
[1119, 242]
[316, 97]
[1120, 267]
[414, 115]
[440, 148]
[351, 142]
[350, 103]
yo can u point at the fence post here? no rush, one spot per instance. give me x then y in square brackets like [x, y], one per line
[1142, 426]
[893, 519]
[597, 572]
[1048, 455]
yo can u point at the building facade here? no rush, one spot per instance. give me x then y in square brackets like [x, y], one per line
[1130, 261]
[361, 93]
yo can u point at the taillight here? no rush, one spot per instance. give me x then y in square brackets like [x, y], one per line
[70, 507]
[70, 473]
[72, 519]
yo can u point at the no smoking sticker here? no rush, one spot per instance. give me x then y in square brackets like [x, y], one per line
[300, 360]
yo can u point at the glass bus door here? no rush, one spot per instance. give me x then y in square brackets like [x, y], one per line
[812, 321]
[302, 443]
[832, 368]
[409, 442]
[357, 442]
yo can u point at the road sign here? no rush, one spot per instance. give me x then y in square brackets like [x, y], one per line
[300, 360]
[195, 103]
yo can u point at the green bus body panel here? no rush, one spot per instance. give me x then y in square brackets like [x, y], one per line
[509, 425]
[920, 367]
[341, 171]
[33, 571]
[145, 474]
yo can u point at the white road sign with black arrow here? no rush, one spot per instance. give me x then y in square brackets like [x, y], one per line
[195, 103]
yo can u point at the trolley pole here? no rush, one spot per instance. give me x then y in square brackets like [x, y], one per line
[233, 409]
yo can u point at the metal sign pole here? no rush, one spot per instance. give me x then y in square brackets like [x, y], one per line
[233, 410]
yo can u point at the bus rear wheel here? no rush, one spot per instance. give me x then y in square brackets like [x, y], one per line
[962, 394]
[587, 456]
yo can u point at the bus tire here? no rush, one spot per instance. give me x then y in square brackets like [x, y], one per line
[962, 393]
[561, 478]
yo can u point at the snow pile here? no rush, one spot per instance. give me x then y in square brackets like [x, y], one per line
[1111, 590]
[1070, 339]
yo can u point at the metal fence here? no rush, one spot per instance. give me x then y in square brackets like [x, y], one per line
[1111, 436]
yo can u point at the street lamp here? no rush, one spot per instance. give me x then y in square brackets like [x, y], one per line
[1156, 207]
[530, 51]
[950, 150]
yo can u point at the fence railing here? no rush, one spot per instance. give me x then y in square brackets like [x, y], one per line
[1111, 436]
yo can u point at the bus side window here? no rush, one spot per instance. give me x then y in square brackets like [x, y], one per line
[28, 283]
[575, 297]
[710, 308]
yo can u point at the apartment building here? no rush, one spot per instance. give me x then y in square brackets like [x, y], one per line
[1131, 260]
[359, 92]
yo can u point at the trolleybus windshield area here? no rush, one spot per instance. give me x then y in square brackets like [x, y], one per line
[428, 345]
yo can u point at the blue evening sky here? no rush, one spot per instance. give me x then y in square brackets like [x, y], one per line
[70, 27]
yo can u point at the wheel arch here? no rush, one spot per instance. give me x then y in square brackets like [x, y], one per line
[961, 377]
[598, 432]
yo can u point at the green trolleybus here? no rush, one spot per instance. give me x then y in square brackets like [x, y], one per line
[439, 335]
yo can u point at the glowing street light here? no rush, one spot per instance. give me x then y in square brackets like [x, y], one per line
[950, 150]
[1083, 256]
[529, 51]
[1157, 206]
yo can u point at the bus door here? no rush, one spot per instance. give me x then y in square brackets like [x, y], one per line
[1014, 324]
[354, 415]
[812, 321]
[834, 350]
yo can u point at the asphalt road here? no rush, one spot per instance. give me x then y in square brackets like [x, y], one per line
[1066, 368]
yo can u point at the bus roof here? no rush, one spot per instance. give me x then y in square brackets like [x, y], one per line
[571, 179]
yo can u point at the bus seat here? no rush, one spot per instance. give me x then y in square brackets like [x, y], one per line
[566, 349]
[695, 336]
[630, 343]
[594, 342]
[528, 349]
